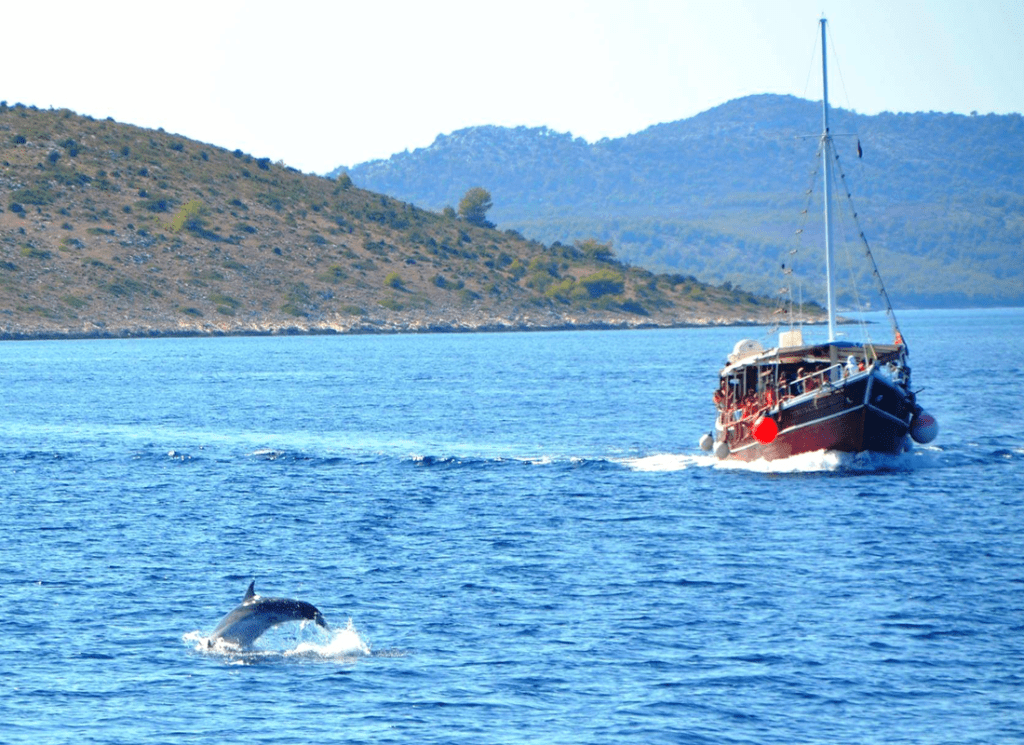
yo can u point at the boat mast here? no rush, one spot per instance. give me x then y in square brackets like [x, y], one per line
[826, 158]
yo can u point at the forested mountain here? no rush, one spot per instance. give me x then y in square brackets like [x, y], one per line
[940, 197]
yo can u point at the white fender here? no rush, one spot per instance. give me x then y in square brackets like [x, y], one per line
[721, 450]
[924, 428]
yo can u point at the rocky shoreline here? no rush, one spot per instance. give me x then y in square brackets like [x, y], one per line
[380, 326]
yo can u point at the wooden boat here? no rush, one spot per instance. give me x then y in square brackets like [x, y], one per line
[838, 395]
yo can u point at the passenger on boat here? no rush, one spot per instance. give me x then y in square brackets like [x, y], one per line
[750, 404]
[798, 384]
[851, 366]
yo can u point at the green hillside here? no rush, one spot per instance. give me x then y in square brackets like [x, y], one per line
[720, 196]
[107, 229]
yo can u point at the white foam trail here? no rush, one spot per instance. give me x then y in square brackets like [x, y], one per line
[666, 462]
[830, 461]
[818, 461]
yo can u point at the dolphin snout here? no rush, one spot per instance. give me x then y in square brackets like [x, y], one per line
[321, 621]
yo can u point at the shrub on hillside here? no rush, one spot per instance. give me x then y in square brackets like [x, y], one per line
[603, 282]
[543, 264]
[38, 195]
[153, 204]
[191, 217]
[539, 281]
[632, 306]
[446, 284]
[561, 290]
[297, 300]
[334, 274]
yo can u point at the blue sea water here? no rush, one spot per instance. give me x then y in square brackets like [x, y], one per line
[514, 537]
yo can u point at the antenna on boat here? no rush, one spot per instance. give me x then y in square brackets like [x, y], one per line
[826, 157]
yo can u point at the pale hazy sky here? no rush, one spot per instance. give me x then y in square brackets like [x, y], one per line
[322, 84]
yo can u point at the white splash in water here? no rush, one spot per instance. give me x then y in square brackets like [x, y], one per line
[343, 643]
[291, 640]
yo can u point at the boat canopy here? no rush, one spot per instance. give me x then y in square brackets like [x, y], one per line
[881, 353]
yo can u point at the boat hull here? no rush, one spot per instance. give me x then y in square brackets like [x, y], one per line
[867, 413]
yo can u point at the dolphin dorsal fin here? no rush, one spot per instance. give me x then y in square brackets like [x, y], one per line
[250, 594]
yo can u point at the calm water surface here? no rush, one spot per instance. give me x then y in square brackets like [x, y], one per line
[514, 538]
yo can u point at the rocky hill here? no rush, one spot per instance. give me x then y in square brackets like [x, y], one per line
[107, 229]
[719, 196]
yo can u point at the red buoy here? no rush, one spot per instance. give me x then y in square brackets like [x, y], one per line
[765, 430]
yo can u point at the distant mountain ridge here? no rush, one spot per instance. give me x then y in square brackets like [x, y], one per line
[720, 195]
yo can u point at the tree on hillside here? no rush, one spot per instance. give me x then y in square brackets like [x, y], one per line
[595, 250]
[474, 205]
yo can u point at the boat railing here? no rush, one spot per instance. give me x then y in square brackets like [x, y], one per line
[815, 380]
[738, 416]
[739, 422]
[739, 419]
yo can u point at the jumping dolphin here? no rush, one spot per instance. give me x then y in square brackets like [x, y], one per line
[248, 621]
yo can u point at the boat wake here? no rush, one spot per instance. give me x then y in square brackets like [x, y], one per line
[666, 462]
[824, 461]
[820, 461]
